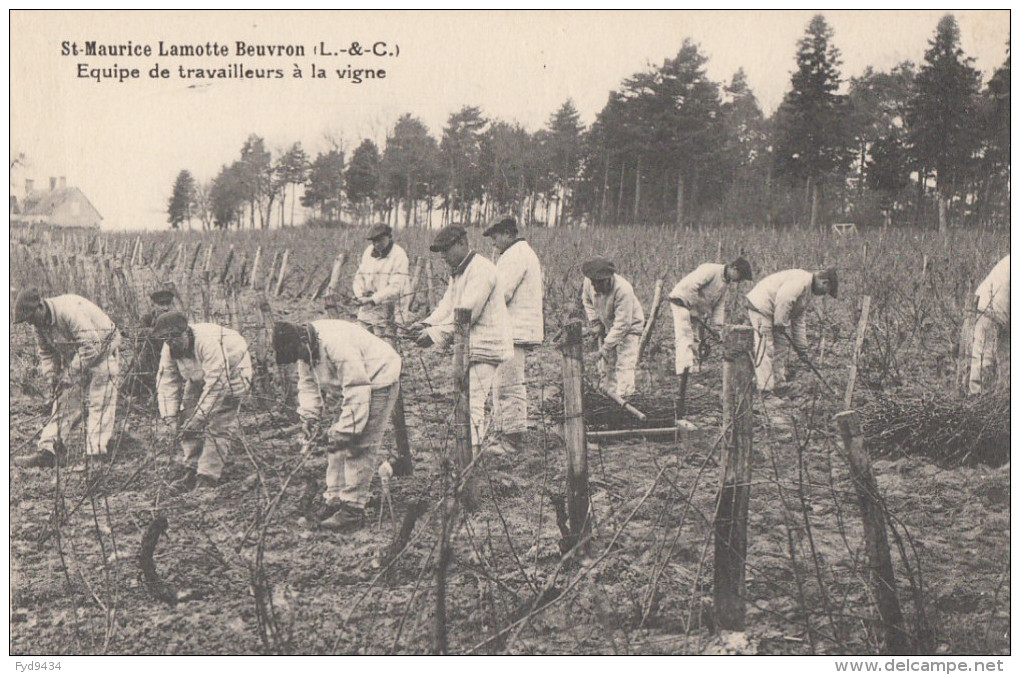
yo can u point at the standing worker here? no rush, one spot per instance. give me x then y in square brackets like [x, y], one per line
[79, 348]
[615, 316]
[992, 325]
[147, 348]
[473, 285]
[778, 310]
[204, 371]
[381, 282]
[339, 359]
[520, 276]
[700, 295]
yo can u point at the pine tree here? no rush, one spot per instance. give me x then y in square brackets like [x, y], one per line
[941, 116]
[181, 200]
[811, 136]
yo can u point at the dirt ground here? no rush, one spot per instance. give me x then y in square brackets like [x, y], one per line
[246, 578]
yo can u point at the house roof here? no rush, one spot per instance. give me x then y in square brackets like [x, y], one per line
[43, 203]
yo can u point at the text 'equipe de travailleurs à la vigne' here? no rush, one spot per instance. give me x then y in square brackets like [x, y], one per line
[354, 62]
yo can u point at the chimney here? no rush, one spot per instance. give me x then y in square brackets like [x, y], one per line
[29, 186]
[63, 182]
[53, 182]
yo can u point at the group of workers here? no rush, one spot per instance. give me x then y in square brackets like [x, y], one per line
[353, 369]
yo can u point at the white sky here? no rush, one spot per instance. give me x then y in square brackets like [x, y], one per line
[123, 144]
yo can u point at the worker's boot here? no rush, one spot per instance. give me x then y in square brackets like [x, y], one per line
[44, 458]
[184, 480]
[349, 517]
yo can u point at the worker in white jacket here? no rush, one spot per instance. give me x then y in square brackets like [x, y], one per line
[382, 282]
[520, 275]
[992, 303]
[341, 361]
[473, 285]
[204, 371]
[79, 349]
[614, 314]
[701, 295]
[777, 307]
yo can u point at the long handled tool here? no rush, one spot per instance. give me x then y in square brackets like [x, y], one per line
[807, 361]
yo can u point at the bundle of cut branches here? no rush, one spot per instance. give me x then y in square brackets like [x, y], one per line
[950, 431]
[602, 413]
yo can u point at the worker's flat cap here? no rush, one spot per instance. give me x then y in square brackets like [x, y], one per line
[829, 274]
[164, 295]
[447, 237]
[28, 299]
[598, 268]
[379, 230]
[507, 224]
[169, 323]
[743, 268]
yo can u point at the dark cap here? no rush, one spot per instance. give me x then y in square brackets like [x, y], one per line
[287, 341]
[169, 323]
[26, 302]
[163, 296]
[379, 230]
[598, 268]
[506, 225]
[829, 275]
[743, 269]
[447, 237]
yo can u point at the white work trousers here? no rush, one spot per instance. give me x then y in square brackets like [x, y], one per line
[683, 338]
[100, 382]
[621, 367]
[770, 353]
[206, 447]
[481, 376]
[510, 394]
[349, 471]
[987, 360]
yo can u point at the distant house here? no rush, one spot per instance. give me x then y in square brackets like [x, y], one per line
[60, 206]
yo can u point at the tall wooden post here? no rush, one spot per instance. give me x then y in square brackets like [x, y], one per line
[578, 496]
[462, 382]
[875, 541]
[429, 294]
[862, 328]
[253, 278]
[334, 274]
[283, 272]
[734, 493]
[269, 276]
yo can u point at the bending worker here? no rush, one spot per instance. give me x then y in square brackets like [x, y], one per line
[992, 324]
[204, 371]
[778, 310]
[615, 316]
[341, 360]
[79, 348]
[700, 295]
[473, 285]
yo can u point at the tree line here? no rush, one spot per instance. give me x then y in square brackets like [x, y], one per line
[920, 144]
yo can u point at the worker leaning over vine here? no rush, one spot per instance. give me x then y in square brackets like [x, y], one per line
[79, 352]
[204, 372]
[342, 361]
[991, 326]
[777, 307]
[615, 316]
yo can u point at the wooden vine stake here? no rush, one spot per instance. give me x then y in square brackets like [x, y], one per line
[578, 495]
[876, 543]
[283, 273]
[734, 493]
[334, 274]
[646, 334]
[862, 327]
[253, 278]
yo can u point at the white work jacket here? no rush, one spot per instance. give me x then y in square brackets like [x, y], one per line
[702, 292]
[619, 310]
[387, 282]
[993, 293]
[475, 285]
[348, 361]
[520, 275]
[77, 337]
[784, 297]
[219, 366]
